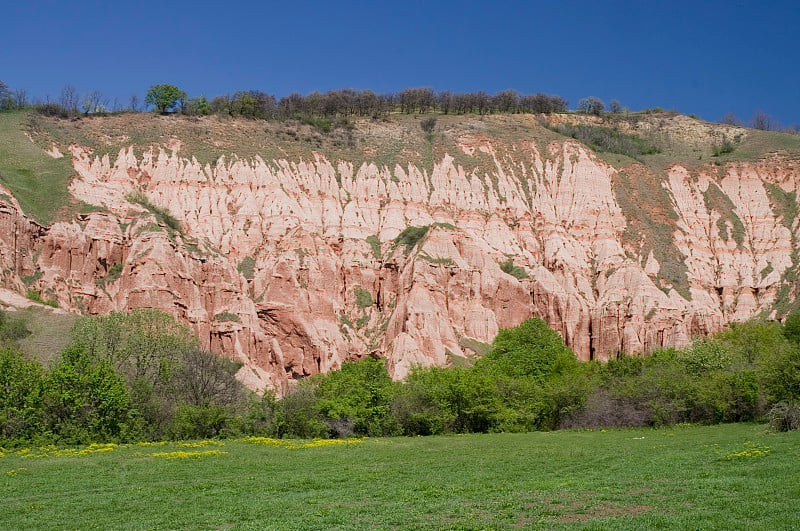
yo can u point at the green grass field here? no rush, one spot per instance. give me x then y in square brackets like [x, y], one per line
[723, 477]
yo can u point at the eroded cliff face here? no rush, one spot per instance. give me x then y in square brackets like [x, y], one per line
[292, 266]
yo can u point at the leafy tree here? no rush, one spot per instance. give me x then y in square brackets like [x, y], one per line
[164, 97]
[357, 395]
[84, 398]
[21, 385]
[530, 349]
[791, 328]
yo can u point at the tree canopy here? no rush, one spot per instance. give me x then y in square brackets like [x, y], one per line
[164, 97]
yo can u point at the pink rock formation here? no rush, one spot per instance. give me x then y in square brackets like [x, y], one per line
[272, 265]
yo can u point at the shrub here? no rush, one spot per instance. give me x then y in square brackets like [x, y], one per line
[199, 422]
[428, 124]
[375, 244]
[247, 267]
[411, 236]
[227, 317]
[722, 149]
[357, 399]
[12, 329]
[162, 215]
[791, 328]
[784, 416]
[363, 298]
[509, 268]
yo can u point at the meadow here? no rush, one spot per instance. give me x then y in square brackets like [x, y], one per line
[725, 476]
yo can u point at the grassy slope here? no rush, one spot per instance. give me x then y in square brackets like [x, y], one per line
[50, 333]
[38, 181]
[628, 479]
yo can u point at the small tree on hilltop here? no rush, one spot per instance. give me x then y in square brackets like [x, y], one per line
[591, 105]
[164, 97]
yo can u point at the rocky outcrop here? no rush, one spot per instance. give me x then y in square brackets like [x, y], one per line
[294, 266]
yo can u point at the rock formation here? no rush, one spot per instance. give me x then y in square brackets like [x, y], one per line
[294, 266]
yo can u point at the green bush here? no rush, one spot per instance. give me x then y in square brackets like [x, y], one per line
[357, 399]
[247, 267]
[21, 388]
[84, 398]
[199, 422]
[162, 215]
[363, 298]
[529, 349]
[411, 236]
[375, 244]
[509, 268]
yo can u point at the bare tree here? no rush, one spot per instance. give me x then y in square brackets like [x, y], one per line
[762, 121]
[731, 119]
[69, 98]
[93, 102]
[20, 98]
[615, 107]
[591, 105]
[134, 104]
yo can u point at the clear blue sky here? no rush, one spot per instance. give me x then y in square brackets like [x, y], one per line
[701, 57]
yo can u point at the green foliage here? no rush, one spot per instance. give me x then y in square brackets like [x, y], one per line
[356, 399]
[247, 267]
[411, 236]
[21, 387]
[164, 97]
[227, 316]
[84, 398]
[363, 298]
[608, 140]
[791, 328]
[199, 422]
[12, 329]
[723, 149]
[35, 296]
[509, 268]
[530, 349]
[162, 215]
[375, 244]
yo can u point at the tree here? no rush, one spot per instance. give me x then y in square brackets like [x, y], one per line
[69, 99]
[731, 119]
[93, 103]
[530, 349]
[762, 121]
[591, 105]
[164, 97]
[791, 328]
[615, 106]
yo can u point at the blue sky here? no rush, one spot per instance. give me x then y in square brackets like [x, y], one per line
[701, 57]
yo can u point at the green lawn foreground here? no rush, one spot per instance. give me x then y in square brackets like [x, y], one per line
[727, 476]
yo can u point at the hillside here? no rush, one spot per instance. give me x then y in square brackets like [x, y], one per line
[295, 246]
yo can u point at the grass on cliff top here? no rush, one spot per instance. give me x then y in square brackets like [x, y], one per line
[720, 477]
[37, 180]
